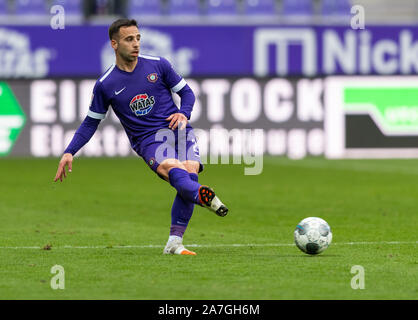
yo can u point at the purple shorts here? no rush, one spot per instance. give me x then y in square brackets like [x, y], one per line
[168, 144]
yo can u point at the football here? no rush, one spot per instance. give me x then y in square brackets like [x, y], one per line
[313, 235]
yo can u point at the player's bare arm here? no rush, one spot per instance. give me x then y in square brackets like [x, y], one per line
[66, 161]
[177, 120]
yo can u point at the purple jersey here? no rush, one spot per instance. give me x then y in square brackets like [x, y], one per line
[141, 99]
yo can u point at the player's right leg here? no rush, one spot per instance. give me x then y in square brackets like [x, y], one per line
[182, 211]
[176, 173]
[189, 192]
[207, 196]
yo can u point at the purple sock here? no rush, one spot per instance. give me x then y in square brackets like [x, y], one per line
[181, 212]
[185, 186]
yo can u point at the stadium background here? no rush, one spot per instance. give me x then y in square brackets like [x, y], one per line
[312, 89]
[253, 64]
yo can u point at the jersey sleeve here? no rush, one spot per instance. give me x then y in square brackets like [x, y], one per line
[173, 80]
[99, 103]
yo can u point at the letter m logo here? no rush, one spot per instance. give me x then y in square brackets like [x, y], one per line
[282, 39]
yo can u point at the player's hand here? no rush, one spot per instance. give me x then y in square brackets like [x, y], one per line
[66, 160]
[177, 120]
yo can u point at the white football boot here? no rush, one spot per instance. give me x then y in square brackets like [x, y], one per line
[175, 246]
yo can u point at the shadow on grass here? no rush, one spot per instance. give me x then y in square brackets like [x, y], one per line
[322, 256]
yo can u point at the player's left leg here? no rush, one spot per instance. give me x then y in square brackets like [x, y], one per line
[183, 176]
[182, 209]
[181, 212]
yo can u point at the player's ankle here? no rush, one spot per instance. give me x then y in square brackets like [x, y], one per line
[175, 238]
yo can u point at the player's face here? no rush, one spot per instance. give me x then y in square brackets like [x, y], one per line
[127, 46]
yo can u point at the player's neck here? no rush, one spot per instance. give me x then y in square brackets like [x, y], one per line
[124, 65]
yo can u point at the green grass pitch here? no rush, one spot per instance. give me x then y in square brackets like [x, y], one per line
[108, 222]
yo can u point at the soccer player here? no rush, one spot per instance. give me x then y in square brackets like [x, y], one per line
[138, 88]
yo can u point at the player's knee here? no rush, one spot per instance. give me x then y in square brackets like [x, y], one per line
[167, 165]
[191, 166]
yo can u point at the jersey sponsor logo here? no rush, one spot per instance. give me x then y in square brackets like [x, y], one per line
[152, 77]
[142, 104]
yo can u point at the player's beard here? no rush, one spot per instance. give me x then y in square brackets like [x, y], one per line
[127, 57]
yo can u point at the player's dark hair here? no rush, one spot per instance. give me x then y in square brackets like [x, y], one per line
[115, 26]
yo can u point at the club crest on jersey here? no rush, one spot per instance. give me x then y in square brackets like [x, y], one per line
[152, 77]
[141, 104]
[151, 162]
